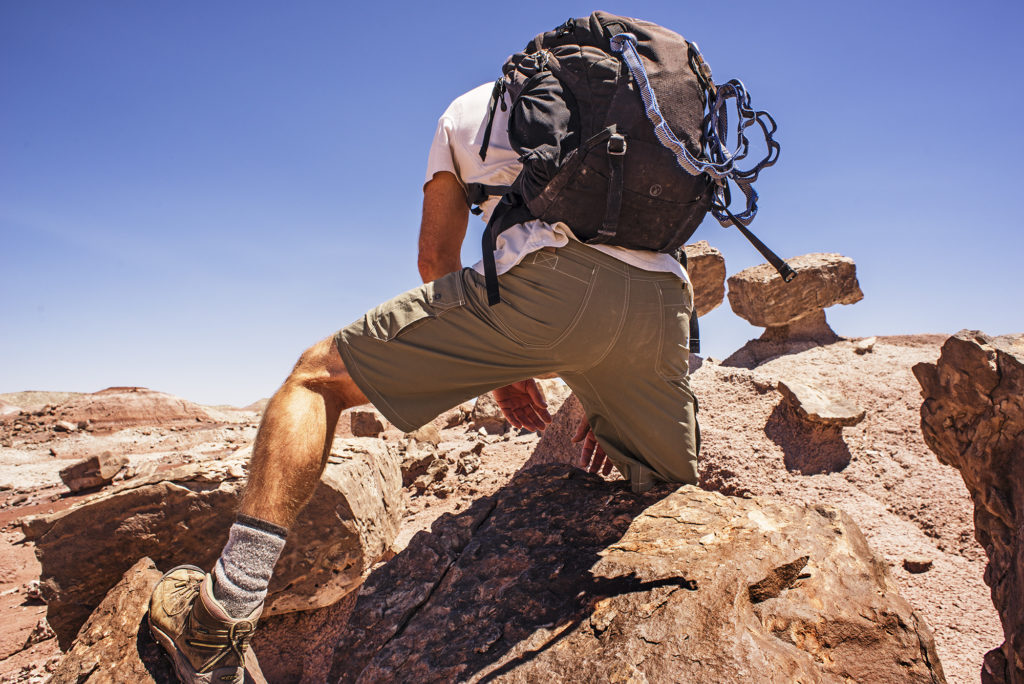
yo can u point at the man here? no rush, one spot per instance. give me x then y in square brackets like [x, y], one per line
[612, 322]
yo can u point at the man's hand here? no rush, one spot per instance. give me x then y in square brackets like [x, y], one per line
[591, 457]
[523, 405]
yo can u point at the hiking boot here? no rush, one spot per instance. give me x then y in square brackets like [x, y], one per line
[205, 644]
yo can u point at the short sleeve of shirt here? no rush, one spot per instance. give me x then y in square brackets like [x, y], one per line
[441, 157]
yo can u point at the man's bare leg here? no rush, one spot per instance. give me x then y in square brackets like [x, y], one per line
[291, 450]
[209, 641]
[294, 439]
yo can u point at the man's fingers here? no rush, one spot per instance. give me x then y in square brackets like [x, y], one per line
[540, 405]
[581, 431]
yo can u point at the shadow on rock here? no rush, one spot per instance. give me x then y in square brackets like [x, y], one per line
[507, 572]
[807, 448]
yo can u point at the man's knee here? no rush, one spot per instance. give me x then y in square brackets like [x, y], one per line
[321, 368]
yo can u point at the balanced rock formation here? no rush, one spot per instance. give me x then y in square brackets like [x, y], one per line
[183, 516]
[973, 419]
[706, 268]
[562, 576]
[795, 309]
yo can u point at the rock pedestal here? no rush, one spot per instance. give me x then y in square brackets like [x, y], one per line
[973, 419]
[183, 516]
[561, 576]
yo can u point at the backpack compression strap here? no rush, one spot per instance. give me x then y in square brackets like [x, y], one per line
[722, 165]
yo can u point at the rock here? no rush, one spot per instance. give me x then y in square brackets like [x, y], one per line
[487, 416]
[115, 644]
[706, 268]
[9, 411]
[95, 471]
[759, 295]
[865, 346]
[973, 419]
[454, 417]
[428, 434]
[555, 393]
[556, 445]
[917, 564]
[65, 426]
[366, 423]
[415, 462]
[561, 576]
[183, 516]
[816, 406]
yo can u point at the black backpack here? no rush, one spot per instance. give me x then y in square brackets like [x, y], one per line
[621, 134]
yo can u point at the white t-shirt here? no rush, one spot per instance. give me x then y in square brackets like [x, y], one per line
[456, 149]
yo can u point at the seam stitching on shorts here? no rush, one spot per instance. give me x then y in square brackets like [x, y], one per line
[618, 331]
[591, 286]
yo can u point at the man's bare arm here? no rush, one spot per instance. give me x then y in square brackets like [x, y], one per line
[443, 226]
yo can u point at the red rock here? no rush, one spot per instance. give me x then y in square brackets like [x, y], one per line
[95, 471]
[563, 577]
[973, 419]
[706, 268]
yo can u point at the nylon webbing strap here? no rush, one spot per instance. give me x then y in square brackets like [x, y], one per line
[613, 202]
[694, 344]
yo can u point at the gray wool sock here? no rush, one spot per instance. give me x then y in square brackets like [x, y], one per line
[243, 571]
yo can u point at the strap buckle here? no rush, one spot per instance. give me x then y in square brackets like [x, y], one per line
[617, 144]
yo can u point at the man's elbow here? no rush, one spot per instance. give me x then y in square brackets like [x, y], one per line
[433, 264]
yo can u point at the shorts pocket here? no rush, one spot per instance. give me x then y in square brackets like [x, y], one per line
[673, 362]
[542, 300]
[396, 317]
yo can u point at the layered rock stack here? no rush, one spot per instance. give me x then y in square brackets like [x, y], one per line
[792, 312]
[973, 419]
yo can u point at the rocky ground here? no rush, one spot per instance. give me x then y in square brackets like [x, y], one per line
[915, 512]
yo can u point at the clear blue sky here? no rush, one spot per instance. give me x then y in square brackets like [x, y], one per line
[191, 193]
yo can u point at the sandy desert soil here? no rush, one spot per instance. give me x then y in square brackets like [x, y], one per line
[910, 507]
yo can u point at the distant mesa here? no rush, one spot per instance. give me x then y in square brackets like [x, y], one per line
[116, 408]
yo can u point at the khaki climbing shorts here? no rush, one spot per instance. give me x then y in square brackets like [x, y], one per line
[616, 334]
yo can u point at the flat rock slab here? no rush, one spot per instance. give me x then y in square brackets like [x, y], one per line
[973, 419]
[706, 267]
[95, 471]
[183, 516]
[561, 576]
[759, 295]
[817, 406]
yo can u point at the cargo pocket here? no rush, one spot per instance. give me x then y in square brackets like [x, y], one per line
[396, 317]
[673, 362]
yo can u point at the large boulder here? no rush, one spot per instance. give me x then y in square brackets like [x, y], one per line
[115, 644]
[706, 268]
[973, 419]
[183, 516]
[561, 576]
[760, 296]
